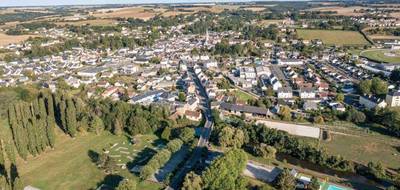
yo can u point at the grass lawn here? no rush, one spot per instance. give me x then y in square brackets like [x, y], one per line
[243, 96]
[333, 37]
[364, 149]
[69, 165]
[382, 55]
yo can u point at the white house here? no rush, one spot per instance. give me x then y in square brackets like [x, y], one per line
[285, 93]
[307, 93]
[393, 99]
[290, 62]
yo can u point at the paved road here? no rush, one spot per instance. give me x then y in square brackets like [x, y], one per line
[204, 136]
[294, 129]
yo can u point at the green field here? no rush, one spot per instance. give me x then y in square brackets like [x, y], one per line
[70, 166]
[243, 96]
[365, 148]
[379, 55]
[333, 37]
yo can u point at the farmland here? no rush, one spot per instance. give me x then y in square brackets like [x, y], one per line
[7, 39]
[333, 37]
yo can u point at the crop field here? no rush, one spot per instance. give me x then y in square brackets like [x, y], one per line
[95, 22]
[382, 55]
[147, 13]
[345, 11]
[333, 37]
[7, 39]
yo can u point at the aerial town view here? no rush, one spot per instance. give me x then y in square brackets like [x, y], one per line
[199, 95]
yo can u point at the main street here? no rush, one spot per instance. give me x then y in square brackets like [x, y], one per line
[204, 136]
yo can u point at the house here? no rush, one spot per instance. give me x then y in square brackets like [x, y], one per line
[307, 93]
[393, 99]
[263, 70]
[337, 106]
[147, 98]
[91, 72]
[371, 102]
[109, 91]
[290, 62]
[285, 93]
[310, 105]
[193, 115]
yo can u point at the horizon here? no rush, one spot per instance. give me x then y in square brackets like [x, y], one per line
[35, 3]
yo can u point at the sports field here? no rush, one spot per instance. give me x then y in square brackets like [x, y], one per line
[333, 37]
[382, 55]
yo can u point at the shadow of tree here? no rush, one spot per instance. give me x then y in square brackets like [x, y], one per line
[93, 155]
[110, 182]
[142, 157]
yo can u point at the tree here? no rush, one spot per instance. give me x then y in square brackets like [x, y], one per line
[192, 181]
[224, 172]
[355, 116]
[127, 184]
[186, 134]
[319, 119]
[365, 87]
[231, 137]
[314, 184]
[118, 128]
[182, 97]
[266, 151]
[96, 124]
[166, 134]
[379, 86]
[146, 171]
[339, 97]
[71, 121]
[285, 113]
[285, 180]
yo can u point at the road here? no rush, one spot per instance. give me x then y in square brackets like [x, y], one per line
[204, 136]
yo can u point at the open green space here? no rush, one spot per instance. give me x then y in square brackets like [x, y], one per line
[70, 164]
[333, 37]
[364, 149]
[382, 55]
[242, 96]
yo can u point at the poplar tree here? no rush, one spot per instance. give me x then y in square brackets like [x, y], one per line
[71, 117]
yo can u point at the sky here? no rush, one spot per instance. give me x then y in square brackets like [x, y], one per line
[5, 3]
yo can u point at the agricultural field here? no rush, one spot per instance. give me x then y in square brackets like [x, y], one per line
[147, 13]
[7, 39]
[333, 37]
[382, 55]
[130, 12]
[70, 165]
[95, 22]
[345, 11]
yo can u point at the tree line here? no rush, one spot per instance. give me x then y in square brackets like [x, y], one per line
[32, 125]
[160, 158]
